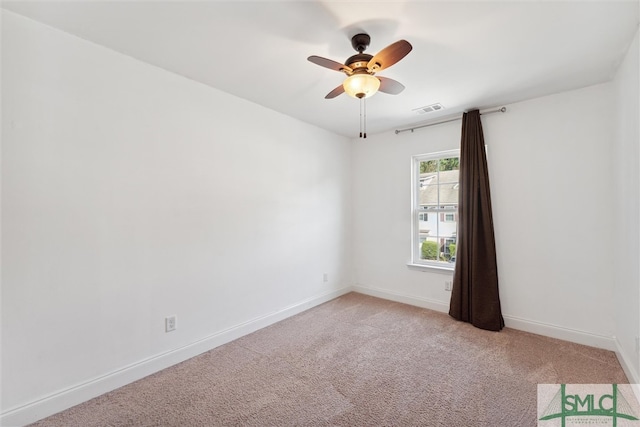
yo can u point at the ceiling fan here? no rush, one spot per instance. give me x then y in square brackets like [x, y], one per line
[362, 67]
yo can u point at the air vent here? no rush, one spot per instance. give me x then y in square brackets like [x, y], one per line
[429, 108]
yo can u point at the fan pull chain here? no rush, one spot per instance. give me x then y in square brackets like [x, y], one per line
[360, 118]
[364, 120]
[363, 117]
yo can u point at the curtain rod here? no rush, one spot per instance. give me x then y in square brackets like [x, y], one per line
[497, 110]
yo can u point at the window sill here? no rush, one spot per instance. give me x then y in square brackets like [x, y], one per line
[431, 268]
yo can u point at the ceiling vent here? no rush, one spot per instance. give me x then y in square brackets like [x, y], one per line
[429, 108]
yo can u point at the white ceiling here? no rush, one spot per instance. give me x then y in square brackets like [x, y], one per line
[471, 54]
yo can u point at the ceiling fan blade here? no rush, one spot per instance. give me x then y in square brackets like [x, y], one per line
[328, 63]
[337, 91]
[390, 86]
[389, 55]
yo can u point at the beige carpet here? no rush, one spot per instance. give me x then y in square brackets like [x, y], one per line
[355, 361]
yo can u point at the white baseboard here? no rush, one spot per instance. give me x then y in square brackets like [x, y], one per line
[406, 299]
[560, 332]
[548, 330]
[72, 396]
[628, 368]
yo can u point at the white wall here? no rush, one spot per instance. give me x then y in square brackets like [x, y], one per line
[382, 212]
[551, 181]
[626, 207]
[130, 194]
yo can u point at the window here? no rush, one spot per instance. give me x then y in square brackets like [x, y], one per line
[435, 191]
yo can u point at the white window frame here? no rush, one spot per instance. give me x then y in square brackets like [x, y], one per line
[416, 260]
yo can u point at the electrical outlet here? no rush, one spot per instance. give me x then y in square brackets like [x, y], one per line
[325, 277]
[170, 323]
[447, 285]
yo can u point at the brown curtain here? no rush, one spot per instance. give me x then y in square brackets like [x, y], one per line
[474, 296]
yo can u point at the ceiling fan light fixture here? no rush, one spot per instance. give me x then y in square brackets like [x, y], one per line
[361, 85]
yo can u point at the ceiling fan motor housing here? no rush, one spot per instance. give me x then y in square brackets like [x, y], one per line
[357, 61]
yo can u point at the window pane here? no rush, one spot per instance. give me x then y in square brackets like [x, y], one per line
[447, 229]
[428, 196]
[450, 249]
[447, 233]
[429, 249]
[448, 176]
[428, 166]
[448, 194]
[450, 164]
